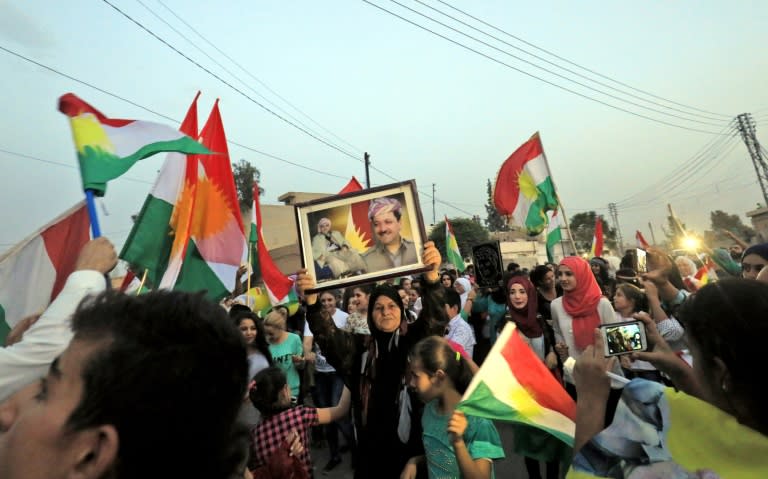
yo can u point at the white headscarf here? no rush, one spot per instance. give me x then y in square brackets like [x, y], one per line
[464, 282]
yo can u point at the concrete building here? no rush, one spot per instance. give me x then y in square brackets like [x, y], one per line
[759, 218]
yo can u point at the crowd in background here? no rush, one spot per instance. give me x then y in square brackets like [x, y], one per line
[376, 370]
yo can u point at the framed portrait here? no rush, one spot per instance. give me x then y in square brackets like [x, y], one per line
[488, 266]
[362, 237]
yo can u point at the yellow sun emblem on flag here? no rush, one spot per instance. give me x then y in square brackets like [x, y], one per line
[87, 131]
[527, 186]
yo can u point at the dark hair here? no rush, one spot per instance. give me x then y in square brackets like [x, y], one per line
[452, 298]
[513, 267]
[366, 288]
[449, 274]
[726, 320]
[237, 309]
[265, 395]
[634, 294]
[435, 353]
[332, 292]
[161, 359]
[260, 343]
[538, 274]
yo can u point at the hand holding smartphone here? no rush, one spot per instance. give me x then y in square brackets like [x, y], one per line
[623, 338]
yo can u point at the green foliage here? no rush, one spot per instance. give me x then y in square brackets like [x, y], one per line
[245, 174]
[720, 220]
[583, 230]
[468, 234]
[494, 221]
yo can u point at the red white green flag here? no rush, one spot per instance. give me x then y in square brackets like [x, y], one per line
[279, 287]
[514, 385]
[108, 147]
[524, 190]
[453, 255]
[597, 239]
[33, 272]
[190, 234]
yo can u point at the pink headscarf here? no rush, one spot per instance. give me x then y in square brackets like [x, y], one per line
[581, 303]
[525, 318]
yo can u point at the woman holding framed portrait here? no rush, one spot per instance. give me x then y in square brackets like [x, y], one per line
[389, 429]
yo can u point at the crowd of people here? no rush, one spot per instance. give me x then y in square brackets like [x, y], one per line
[378, 370]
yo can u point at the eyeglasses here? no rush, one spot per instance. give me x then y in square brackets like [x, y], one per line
[749, 267]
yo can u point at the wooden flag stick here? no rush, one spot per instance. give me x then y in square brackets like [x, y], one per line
[143, 280]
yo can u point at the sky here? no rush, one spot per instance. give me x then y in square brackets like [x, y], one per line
[358, 78]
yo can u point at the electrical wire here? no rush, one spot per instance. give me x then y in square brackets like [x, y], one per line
[255, 78]
[66, 165]
[605, 85]
[159, 114]
[725, 116]
[231, 86]
[556, 85]
[687, 164]
[167, 117]
[227, 70]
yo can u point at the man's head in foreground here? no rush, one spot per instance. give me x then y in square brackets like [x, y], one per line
[150, 386]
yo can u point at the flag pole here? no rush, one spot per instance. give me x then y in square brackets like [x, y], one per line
[250, 273]
[559, 203]
[141, 284]
[91, 203]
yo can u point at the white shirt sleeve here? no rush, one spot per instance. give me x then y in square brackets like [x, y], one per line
[29, 359]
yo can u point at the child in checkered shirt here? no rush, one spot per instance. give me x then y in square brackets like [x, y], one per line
[281, 420]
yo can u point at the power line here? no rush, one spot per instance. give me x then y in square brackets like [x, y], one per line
[66, 165]
[223, 67]
[669, 193]
[682, 167]
[578, 65]
[247, 72]
[605, 85]
[587, 97]
[159, 114]
[167, 117]
[234, 88]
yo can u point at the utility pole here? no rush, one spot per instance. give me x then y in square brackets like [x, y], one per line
[433, 204]
[367, 159]
[747, 129]
[653, 236]
[615, 217]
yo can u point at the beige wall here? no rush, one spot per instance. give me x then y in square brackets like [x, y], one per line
[759, 218]
[280, 233]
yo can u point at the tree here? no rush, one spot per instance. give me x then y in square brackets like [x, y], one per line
[468, 234]
[245, 174]
[721, 220]
[494, 221]
[583, 230]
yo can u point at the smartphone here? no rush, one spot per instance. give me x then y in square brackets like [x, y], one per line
[639, 260]
[623, 338]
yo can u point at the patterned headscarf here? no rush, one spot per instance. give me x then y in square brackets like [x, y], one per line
[525, 318]
[581, 303]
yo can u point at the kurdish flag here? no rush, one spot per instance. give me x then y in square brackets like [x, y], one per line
[597, 239]
[279, 287]
[524, 190]
[108, 147]
[189, 235]
[554, 235]
[452, 248]
[33, 272]
[154, 232]
[514, 385]
[706, 274]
